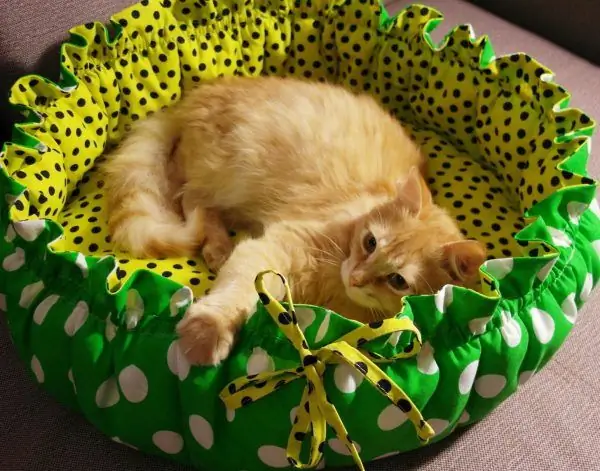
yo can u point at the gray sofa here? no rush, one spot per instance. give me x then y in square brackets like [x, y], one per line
[551, 424]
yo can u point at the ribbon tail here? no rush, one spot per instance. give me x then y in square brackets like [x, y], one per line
[332, 417]
[361, 363]
[306, 422]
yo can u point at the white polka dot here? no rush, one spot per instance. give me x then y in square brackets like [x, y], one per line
[575, 210]
[134, 384]
[77, 318]
[595, 207]
[107, 395]
[306, 317]
[72, 380]
[478, 326]
[525, 376]
[167, 441]
[11, 199]
[426, 363]
[443, 298]
[323, 328]
[394, 338]
[110, 330]
[499, 268]
[14, 261]
[177, 361]
[202, 431]
[259, 362]
[510, 330]
[543, 325]
[488, 386]
[183, 297]
[587, 287]
[230, 415]
[321, 464]
[546, 269]
[569, 308]
[559, 238]
[118, 440]
[42, 308]
[464, 417]
[29, 293]
[273, 456]
[10, 234]
[36, 367]
[438, 425]
[3, 302]
[346, 378]
[391, 417]
[387, 455]
[293, 413]
[340, 448]
[465, 381]
[81, 262]
[596, 246]
[31, 229]
[134, 308]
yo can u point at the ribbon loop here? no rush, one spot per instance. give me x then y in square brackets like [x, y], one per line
[315, 411]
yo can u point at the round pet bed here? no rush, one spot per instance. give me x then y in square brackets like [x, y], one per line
[506, 156]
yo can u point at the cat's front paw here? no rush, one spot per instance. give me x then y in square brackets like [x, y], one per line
[207, 333]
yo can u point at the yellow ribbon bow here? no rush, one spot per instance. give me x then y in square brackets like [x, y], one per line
[315, 410]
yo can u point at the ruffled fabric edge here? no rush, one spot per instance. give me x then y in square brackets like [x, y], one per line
[552, 221]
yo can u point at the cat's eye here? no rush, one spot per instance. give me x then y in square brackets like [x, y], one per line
[397, 281]
[369, 242]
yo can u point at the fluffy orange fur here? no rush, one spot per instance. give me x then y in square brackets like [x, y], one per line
[326, 182]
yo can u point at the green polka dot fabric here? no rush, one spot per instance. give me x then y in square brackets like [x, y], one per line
[507, 157]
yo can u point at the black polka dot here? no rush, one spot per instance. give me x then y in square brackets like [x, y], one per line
[264, 298]
[284, 318]
[246, 400]
[384, 385]
[404, 405]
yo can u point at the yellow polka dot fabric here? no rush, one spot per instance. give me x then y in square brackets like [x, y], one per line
[493, 131]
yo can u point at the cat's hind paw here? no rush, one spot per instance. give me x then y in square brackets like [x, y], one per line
[207, 334]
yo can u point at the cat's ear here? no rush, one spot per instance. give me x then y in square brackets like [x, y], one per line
[413, 191]
[463, 258]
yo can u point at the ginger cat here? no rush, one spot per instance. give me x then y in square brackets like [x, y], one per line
[326, 182]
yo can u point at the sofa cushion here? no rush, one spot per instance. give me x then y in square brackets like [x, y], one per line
[573, 24]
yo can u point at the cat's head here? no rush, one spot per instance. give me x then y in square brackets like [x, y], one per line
[407, 246]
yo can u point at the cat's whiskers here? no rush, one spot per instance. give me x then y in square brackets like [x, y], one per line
[426, 282]
[380, 216]
[327, 261]
[333, 242]
[376, 314]
[325, 252]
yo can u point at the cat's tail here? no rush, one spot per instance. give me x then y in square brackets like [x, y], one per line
[143, 219]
